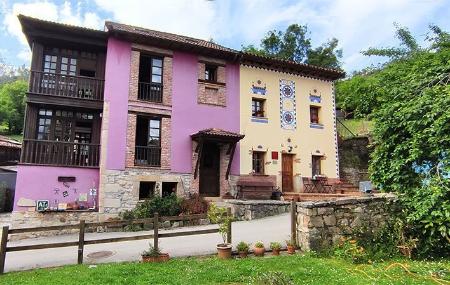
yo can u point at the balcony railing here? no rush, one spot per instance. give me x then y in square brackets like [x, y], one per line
[55, 84]
[150, 92]
[60, 153]
[148, 156]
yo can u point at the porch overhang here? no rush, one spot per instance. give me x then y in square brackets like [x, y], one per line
[219, 136]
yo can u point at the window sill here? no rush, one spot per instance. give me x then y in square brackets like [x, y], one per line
[260, 120]
[316, 126]
[212, 83]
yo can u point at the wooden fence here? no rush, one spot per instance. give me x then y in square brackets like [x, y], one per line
[82, 226]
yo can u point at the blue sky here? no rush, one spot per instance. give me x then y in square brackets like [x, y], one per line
[358, 24]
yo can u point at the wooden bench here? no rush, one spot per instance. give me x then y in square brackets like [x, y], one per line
[256, 187]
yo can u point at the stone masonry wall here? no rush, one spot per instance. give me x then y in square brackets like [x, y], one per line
[256, 209]
[354, 159]
[322, 224]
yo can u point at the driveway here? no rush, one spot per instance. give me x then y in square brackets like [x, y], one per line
[276, 228]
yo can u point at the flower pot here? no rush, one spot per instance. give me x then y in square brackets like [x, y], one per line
[259, 251]
[224, 251]
[291, 249]
[243, 254]
[163, 257]
[275, 252]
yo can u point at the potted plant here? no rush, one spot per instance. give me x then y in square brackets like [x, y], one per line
[259, 249]
[218, 215]
[290, 246]
[154, 255]
[242, 248]
[275, 247]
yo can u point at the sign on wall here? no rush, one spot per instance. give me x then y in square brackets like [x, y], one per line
[42, 205]
[288, 114]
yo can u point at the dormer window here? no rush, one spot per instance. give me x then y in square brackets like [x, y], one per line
[211, 73]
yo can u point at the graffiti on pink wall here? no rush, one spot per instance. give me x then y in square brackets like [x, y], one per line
[45, 183]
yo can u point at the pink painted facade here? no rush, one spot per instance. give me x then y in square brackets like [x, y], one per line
[117, 77]
[189, 117]
[41, 183]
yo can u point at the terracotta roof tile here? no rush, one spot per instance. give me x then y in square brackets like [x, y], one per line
[218, 133]
[7, 142]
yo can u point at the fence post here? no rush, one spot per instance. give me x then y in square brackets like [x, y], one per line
[3, 243]
[293, 222]
[155, 230]
[81, 242]
[229, 226]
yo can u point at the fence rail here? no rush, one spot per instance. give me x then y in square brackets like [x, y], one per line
[82, 226]
[150, 92]
[343, 131]
[147, 155]
[80, 87]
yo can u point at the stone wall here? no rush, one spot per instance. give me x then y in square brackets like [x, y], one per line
[246, 210]
[354, 159]
[322, 224]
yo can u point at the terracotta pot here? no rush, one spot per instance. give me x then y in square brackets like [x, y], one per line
[259, 251]
[275, 252]
[224, 251]
[291, 249]
[243, 254]
[163, 257]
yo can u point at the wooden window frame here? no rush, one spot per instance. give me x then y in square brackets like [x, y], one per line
[258, 157]
[316, 159]
[211, 73]
[258, 108]
[314, 114]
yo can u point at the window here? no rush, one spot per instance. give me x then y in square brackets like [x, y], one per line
[154, 132]
[211, 73]
[314, 114]
[146, 189]
[169, 188]
[258, 162]
[44, 123]
[148, 141]
[150, 69]
[316, 165]
[50, 63]
[257, 107]
[68, 66]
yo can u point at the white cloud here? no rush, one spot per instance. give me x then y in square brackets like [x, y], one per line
[49, 11]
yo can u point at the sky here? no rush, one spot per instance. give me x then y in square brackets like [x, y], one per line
[357, 24]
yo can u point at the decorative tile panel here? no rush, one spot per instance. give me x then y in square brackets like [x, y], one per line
[259, 88]
[288, 114]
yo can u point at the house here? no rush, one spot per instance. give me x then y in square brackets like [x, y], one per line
[9, 151]
[113, 116]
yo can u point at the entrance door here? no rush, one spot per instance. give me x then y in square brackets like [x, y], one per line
[287, 175]
[210, 170]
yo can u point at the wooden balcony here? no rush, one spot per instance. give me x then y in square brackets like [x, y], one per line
[151, 92]
[148, 156]
[60, 153]
[87, 91]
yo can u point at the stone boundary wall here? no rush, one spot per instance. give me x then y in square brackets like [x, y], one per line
[322, 224]
[246, 210]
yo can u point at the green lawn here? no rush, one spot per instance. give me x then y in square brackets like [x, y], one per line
[302, 269]
[359, 127]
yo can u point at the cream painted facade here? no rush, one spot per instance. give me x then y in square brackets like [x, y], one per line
[303, 141]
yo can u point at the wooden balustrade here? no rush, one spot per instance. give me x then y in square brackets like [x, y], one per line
[148, 155]
[150, 92]
[60, 153]
[80, 87]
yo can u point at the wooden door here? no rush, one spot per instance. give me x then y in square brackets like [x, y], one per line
[210, 170]
[287, 174]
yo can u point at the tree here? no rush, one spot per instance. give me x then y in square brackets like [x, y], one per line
[295, 44]
[12, 105]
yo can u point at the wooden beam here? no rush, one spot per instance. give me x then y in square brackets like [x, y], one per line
[230, 160]
[199, 155]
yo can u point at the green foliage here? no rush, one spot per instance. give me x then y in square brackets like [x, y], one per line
[259, 244]
[290, 243]
[350, 250]
[243, 246]
[12, 105]
[272, 278]
[295, 44]
[218, 215]
[167, 206]
[275, 245]
[151, 251]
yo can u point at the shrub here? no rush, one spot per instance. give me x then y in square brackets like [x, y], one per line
[218, 215]
[290, 243]
[259, 244]
[243, 246]
[275, 245]
[167, 206]
[151, 251]
[194, 205]
[348, 249]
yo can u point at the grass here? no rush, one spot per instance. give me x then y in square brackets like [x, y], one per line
[302, 269]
